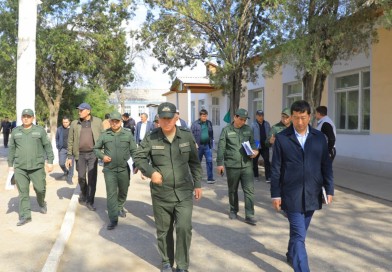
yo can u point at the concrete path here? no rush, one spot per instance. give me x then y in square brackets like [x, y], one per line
[352, 234]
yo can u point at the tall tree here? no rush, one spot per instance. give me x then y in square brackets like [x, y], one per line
[81, 48]
[227, 31]
[8, 49]
[316, 34]
[78, 46]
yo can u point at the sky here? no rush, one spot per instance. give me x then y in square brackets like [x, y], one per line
[147, 77]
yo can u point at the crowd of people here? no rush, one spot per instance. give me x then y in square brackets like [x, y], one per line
[170, 155]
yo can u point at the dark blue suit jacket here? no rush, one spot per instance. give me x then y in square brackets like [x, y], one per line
[297, 175]
[149, 128]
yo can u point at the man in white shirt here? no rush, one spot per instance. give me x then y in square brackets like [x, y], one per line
[143, 127]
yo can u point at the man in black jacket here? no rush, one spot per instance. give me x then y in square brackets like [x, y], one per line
[6, 128]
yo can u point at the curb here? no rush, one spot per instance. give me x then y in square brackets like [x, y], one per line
[53, 260]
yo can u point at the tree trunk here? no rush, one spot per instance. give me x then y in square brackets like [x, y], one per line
[235, 93]
[313, 90]
[53, 104]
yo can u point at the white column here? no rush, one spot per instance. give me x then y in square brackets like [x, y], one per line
[25, 79]
[189, 96]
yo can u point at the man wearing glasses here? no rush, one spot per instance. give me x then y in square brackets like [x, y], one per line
[26, 157]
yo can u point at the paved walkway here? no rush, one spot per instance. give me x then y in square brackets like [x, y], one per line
[352, 234]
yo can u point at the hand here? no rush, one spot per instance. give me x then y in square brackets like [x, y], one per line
[256, 152]
[49, 168]
[272, 139]
[106, 159]
[276, 204]
[329, 199]
[198, 193]
[68, 163]
[156, 178]
[220, 170]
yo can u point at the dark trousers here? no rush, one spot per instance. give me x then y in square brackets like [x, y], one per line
[62, 159]
[264, 152]
[170, 214]
[299, 224]
[6, 136]
[87, 164]
[234, 177]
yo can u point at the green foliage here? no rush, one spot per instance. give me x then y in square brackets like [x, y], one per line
[229, 32]
[314, 35]
[79, 45]
[97, 98]
[8, 39]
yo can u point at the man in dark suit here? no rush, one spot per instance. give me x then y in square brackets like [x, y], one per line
[6, 128]
[143, 128]
[300, 167]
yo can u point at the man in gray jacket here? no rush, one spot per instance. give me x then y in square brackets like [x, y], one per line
[261, 130]
[83, 134]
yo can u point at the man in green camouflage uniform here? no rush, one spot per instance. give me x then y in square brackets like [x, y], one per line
[284, 123]
[175, 173]
[239, 165]
[28, 148]
[114, 147]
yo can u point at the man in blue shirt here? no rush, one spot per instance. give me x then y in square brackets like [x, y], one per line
[204, 136]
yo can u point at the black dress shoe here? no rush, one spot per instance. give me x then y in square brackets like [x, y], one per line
[122, 213]
[166, 268]
[232, 215]
[250, 221]
[43, 209]
[112, 225]
[82, 200]
[90, 206]
[23, 221]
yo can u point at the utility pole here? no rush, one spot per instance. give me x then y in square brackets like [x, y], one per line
[25, 73]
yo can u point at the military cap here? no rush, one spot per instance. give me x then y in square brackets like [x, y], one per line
[156, 118]
[28, 112]
[243, 113]
[166, 110]
[286, 111]
[115, 115]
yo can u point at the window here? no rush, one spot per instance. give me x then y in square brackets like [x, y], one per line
[258, 100]
[141, 109]
[293, 93]
[128, 109]
[352, 94]
[215, 112]
[201, 105]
